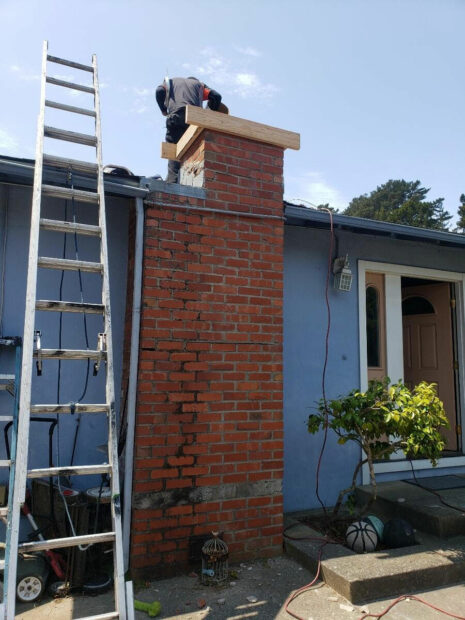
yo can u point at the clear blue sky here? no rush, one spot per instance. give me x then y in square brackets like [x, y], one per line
[376, 88]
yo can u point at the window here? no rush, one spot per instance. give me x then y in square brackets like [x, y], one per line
[372, 306]
[416, 305]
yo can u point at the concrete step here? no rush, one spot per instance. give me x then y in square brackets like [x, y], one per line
[421, 508]
[363, 578]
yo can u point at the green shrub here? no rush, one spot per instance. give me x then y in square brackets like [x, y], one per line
[382, 420]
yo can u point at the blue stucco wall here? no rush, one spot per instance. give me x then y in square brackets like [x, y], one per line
[305, 321]
[92, 432]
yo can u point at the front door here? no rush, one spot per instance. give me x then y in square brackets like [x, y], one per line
[428, 346]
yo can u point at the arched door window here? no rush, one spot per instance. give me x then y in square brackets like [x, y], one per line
[416, 305]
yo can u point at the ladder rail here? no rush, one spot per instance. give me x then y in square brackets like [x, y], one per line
[118, 561]
[26, 410]
[19, 487]
[14, 435]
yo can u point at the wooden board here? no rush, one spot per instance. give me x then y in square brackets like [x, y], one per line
[176, 151]
[200, 119]
[187, 139]
[168, 150]
[241, 127]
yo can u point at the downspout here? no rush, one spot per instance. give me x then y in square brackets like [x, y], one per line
[133, 369]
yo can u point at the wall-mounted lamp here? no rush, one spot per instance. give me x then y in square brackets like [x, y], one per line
[342, 273]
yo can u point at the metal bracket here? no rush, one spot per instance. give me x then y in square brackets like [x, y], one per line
[101, 346]
[37, 347]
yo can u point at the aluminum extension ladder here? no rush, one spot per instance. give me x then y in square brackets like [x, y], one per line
[32, 347]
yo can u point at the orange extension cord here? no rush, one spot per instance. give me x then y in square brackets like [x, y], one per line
[327, 541]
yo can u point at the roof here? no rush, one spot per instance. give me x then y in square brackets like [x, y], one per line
[300, 215]
[21, 172]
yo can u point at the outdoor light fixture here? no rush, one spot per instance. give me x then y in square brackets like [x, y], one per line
[342, 273]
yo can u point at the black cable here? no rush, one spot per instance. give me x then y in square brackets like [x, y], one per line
[60, 329]
[325, 365]
[86, 383]
[60, 297]
[81, 292]
[438, 495]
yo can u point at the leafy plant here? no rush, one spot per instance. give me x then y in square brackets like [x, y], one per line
[382, 420]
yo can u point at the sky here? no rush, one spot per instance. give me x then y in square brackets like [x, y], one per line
[376, 88]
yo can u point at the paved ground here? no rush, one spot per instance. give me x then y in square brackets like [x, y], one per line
[260, 592]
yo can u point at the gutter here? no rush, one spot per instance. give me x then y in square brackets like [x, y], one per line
[133, 371]
[22, 173]
[303, 216]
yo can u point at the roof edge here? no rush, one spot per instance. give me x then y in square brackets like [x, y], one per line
[300, 215]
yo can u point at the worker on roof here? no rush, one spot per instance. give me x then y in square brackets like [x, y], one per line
[172, 97]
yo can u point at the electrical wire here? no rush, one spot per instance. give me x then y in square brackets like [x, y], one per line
[60, 334]
[433, 492]
[86, 383]
[306, 588]
[326, 358]
[325, 365]
[413, 598]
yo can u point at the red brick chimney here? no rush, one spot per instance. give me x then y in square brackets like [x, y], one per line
[209, 424]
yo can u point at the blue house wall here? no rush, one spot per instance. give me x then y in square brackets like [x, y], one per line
[305, 320]
[15, 203]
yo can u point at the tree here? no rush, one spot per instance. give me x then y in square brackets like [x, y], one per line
[461, 213]
[382, 420]
[401, 202]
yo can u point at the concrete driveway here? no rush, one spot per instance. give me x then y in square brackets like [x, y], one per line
[256, 591]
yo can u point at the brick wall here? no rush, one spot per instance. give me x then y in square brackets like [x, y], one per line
[209, 433]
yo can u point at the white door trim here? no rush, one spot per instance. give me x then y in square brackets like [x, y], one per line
[394, 351]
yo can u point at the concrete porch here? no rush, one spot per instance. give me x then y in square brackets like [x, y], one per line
[422, 508]
[437, 560]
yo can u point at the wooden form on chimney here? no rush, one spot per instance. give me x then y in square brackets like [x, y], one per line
[200, 119]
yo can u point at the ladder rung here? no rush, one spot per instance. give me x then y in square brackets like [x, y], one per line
[76, 470]
[69, 63]
[69, 108]
[7, 378]
[70, 354]
[80, 195]
[5, 463]
[72, 541]
[107, 616]
[71, 227]
[73, 265]
[73, 85]
[78, 408]
[70, 164]
[6, 418]
[69, 306]
[70, 136]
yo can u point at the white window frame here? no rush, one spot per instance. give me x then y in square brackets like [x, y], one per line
[394, 344]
